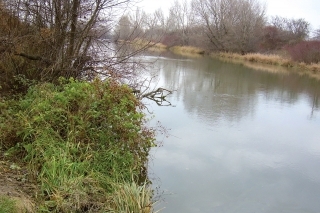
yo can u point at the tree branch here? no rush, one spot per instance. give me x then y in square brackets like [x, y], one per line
[159, 96]
[34, 58]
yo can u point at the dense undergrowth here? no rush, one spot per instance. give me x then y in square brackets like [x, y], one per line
[84, 143]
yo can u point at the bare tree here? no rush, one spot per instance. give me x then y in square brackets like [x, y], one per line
[180, 20]
[271, 39]
[137, 19]
[231, 25]
[291, 30]
[316, 34]
[65, 37]
[155, 25]
[124, 30]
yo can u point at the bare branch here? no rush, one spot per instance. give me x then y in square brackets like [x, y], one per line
[34, 58]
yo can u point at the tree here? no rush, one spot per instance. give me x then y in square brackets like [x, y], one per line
[291, 30]
[155, 25]
[316, 34]
[180, 19]
[231, 25]
[53, 38]
[124, 31]
[270, 39]
[137, 19]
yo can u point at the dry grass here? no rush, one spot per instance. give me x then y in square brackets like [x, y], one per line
[260, 58]
[313, 67]
[187, 50]
[152, 46]
[268, 59]
[258, 66]
[312, 70]
[12, 204]
[16, 189]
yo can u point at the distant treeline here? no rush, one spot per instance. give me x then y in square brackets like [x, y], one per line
[239, 26]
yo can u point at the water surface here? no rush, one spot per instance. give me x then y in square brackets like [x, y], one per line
[241, 140]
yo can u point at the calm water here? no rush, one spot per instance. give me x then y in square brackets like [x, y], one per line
[241, 140]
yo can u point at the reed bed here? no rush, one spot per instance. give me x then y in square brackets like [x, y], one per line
[152, 46]
[272, 59]
[187, 50]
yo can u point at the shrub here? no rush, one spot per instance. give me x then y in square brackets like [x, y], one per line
[171, 39]
[78, 138]
[271, 39]
[305, 51]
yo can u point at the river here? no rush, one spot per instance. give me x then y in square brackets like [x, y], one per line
[240, 140]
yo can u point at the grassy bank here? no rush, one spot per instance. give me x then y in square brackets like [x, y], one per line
[187, 51]
[312, 70]
[255, 60]
[258, 58]
[83, 145]
[149, 45]
[159, 47]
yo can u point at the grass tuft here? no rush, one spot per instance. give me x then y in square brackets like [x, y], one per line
[129, 197]
[7, 205]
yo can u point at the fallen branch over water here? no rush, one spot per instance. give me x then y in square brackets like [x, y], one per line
[159, 96]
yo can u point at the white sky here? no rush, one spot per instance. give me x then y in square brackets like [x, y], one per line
[306, 9]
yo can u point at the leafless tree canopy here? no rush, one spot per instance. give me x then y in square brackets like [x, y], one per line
[292, 30]
[231, 25]
[45, 39]
[316, 34]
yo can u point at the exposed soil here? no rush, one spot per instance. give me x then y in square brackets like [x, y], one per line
[14, 184]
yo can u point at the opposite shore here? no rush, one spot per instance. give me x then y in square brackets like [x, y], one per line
[249, 59]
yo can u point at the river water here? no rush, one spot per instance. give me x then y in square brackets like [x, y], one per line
[240, 140]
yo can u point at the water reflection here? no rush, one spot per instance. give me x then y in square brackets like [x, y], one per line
[242, 140]
[232, 90]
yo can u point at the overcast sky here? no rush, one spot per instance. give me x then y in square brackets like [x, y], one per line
[307, 9]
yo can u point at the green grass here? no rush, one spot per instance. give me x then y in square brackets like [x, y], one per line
[80, 140]
[7, 205]
[132, 198]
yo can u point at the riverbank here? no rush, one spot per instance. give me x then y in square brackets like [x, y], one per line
[144, 44]
[74, 147]
[313, 70]
[250, 59]
[187, 51]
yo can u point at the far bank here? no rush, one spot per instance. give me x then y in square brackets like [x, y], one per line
[248, 59]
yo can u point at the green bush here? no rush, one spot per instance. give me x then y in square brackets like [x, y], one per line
[78, 139]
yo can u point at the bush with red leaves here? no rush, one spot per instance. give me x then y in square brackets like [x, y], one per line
[305, 51]
[171, 39]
